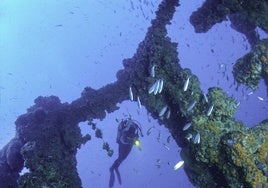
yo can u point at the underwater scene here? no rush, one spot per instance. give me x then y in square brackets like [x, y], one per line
[133, 93]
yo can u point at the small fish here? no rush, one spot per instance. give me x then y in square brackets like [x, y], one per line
[158, 160]
[132, 5]
[130, 93]
[157, 87]
[139, 102]
[210, 110]
[152, 88]
[187, 126]
[163, 111]
[152, 72]
[149, 130]
[161, 85]
[178, 165]
[166, 146]
[191, 106]
[168, 138]
[159, 136]
[148, 117]
[205, 97]
[168, 114]
[186, 84]
[189, 136]
[260, 98]
[197, 138]
[221, 66]
[135, 170]
[250, 93]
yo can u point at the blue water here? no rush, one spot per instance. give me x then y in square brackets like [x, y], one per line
[59, 47]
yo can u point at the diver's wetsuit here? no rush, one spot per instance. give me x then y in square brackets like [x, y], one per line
[126, 136]
[123, 153]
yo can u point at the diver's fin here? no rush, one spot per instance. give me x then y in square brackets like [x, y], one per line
[118, 176]
[111, 181]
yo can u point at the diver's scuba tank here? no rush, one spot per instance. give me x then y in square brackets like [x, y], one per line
[119, 130]
[124, 126]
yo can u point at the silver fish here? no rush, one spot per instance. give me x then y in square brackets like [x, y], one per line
[168, 114]
[205, 97]
[191, 106]
[139, 102]
[152, 72]
[210, 110]
[186, 84]
[178, 165]
[163, 111]
[148, 117]
[187, 126]
[260, 98]
[156, 87]
[189, 136]
[161, 85]
[130, 93]
[250, 93]
[152, 88]
[197, 138]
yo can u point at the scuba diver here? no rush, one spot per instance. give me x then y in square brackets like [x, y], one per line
[127, 136]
